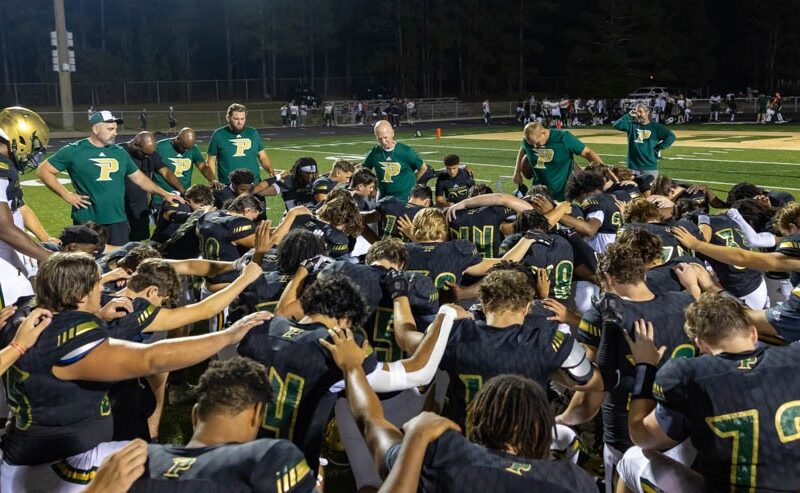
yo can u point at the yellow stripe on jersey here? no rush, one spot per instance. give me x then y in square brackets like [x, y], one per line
[245, 227]
[145, 314]
[70, 474]
[75, 331]
[294, 475]
[558, 340]
[589, 328]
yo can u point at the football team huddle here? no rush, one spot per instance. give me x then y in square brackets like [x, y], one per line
[601, 328]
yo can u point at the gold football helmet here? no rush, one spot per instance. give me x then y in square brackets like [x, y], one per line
[26, 134]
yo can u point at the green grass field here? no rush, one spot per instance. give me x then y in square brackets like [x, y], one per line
[493, 160]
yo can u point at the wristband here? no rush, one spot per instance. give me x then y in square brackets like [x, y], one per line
[644, 378]
[271, 180]
[18, 347]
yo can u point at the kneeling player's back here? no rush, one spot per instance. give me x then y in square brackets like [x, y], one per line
[302, 374]
[477, 352]
[454, 464]
[741, 412]
[262, 465]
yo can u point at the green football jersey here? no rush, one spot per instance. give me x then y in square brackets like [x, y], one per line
[552, 163]
[395, 169]
[235, 150]
[98, 172]
[181, 163]
[644, 142]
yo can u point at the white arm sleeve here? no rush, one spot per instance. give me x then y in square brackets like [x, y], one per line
[754, 239]
[399, 379]
[396, 378]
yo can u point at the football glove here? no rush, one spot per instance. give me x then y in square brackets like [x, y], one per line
[395, 283]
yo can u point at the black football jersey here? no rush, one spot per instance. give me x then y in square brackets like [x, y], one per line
[583, 254]
[379, 328]
[216, 232]
[453, 464]
[223, 195]
[390, 208]
[302, 373]
[625, 192]
[337, 243]
[166, 227]
[293, 194]
[130, 327]
[454, 189]
[184, 242]
[53, 418]
[442, 262]
[481, 227]
[616, 363]
[264, 465]
[741, 412]
[739, 281]
[550, 252]
[477, 352]
[670, 245]
[662, 278]
[603, 202]
[261, 295]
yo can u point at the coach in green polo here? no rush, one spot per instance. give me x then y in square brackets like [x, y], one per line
[237, 146]
[181, 155]
[98, 169]
[646, 139]
[397, 165]
[546, 155]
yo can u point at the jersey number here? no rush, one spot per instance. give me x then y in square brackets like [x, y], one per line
[281, 415]
[19, 401]
[383, 336]
[729, 237]
[743, 429]
[472, 384]
[482, 238]
[210, 248]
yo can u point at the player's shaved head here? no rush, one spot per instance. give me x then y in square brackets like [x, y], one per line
[186, 138]
[144, 142]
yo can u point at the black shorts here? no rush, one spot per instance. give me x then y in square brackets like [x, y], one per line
[118, 233]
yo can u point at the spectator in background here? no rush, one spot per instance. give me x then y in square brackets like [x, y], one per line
[171, 120]
[775, 107]
[411, 111]
[294, 112]
[328, 112]
[731, 101]
[487, 112]
[284, 114]
[143, 119]
[303, 114]
[715, 101]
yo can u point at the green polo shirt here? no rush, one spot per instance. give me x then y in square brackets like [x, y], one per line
[552, 163]
[235, 150]
[396, 169]
[98, 172]
[181, 163]
[644, 142]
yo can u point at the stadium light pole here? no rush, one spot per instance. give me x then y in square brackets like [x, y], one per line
[64, 75]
